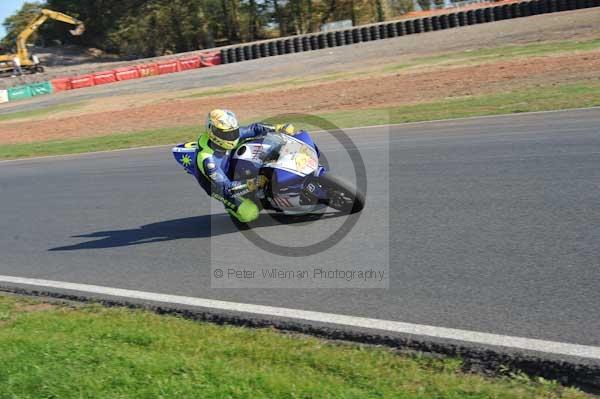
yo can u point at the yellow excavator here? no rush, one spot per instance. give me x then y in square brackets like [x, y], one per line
[27, 64]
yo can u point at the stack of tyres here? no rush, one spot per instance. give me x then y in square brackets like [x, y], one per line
[239, 55]
[365, 34]
[480, 16]
[306, 44]
[452, 20]
[348, 37]
[314, 42]
[515, 10]
[391, 30]
[255, 52]
[418, 25]
[263, 50]
[231, 55]
[247, 52]
[471, 17]
[298, 45]
[330, 39]
[374, 32]
[444, 21]
[224, 56]
[273, 48]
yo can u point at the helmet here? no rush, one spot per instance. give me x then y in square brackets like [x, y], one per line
[223, 128]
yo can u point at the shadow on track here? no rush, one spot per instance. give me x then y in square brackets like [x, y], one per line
[192, 227]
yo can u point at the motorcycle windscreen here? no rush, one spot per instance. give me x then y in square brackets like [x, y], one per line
[296, 157]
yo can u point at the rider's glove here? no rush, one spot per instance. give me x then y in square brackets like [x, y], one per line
[256, 183]
[286, 128]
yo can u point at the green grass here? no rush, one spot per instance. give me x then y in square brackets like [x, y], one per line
[501, 53]
[41, 112]
[539, 99]
[94, 352]
[531, 100]
[480, 55]
[101, 143]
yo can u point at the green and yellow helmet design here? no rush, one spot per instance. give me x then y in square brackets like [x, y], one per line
[223, 128]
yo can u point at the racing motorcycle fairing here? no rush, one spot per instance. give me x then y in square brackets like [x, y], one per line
[298, 183]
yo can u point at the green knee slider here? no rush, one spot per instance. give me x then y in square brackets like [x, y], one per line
[246, 212]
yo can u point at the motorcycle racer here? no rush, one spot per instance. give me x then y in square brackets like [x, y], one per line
[221, 136]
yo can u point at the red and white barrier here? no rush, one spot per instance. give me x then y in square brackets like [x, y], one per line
[209, 59]
[189, 63]
[205, 59]
[146, 70]
[101, 78]
[169, 66]
[61, 84]
[127, 73]
[78, 82]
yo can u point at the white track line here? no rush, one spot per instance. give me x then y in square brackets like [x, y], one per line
[467, 118]
[551, 347]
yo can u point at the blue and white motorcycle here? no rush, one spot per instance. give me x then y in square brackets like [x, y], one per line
[298, 183]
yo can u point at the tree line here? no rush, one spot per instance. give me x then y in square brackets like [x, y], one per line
[146, 28]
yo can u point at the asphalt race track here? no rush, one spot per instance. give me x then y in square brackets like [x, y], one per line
[492, 225]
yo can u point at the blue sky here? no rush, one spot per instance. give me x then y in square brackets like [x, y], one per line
[7, 8]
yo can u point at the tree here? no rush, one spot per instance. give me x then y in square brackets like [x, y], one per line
[19, 21]
[154, 27]
[399, 7]
[425, 4]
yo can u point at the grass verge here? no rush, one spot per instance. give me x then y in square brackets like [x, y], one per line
[54, 351]
[466, 57]
[502, 53]
[586, 94]
[41, 112]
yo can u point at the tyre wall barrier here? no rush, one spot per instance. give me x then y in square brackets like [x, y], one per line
[146, 70]
[26, 91]
[188, 63]
[169, 66]
[78, 82]
[127, 73]
[61, 84]
[40, 89]
[386, 30]
[19, 93]
[316, 41]
[105, 77]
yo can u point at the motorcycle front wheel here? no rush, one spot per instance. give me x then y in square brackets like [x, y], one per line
[341, 195]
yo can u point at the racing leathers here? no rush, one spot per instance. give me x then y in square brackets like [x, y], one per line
[212, 164]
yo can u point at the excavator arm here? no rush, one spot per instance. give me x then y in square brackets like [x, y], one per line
[34, 26]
